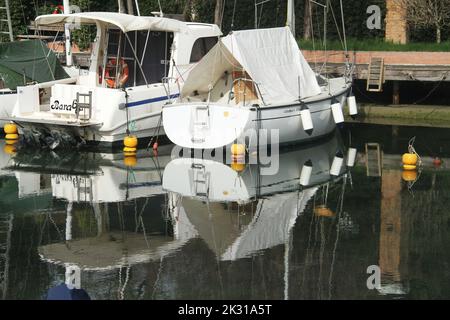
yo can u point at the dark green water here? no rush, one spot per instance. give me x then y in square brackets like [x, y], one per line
[130, 238]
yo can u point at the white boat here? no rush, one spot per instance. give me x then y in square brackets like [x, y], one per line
[250, 81]
[137, 64]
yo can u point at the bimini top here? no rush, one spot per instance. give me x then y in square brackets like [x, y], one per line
[271, 57]
[124, 22]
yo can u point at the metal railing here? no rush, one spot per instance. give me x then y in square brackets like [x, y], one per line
[166, 82]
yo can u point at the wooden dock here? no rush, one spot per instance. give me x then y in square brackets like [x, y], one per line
[398, 66]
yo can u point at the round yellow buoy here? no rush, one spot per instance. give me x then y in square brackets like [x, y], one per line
[323, 211]
[409, 159]
[237, 149]
[130, 141]
[11, 142]
[130, 161]
[10, 128]
[409, 175]
[12, 136]
[409, 167]
[9, 149]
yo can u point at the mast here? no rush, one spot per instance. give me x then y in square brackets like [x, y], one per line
[66, 5]
[290, 22]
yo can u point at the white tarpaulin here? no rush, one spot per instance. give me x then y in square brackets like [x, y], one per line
[271, 57]
[124, 22]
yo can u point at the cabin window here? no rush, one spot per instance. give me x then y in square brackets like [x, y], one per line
[155, 61]
[201, 48]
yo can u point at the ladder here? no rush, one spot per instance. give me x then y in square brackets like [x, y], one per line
[374, 159]
[200, 124]
[375, 77]
[5, 17]
[200, 180]
[83, 103]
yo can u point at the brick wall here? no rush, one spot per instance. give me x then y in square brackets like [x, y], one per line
[396, 24]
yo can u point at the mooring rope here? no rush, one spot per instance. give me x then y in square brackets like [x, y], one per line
[411, 149]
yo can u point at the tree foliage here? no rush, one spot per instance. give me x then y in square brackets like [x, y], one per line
[428, 14]
[270, 14]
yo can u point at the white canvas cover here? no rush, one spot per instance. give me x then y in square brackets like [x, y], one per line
[124, 22]
[271, 57]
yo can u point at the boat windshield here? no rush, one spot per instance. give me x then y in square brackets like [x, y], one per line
[145, 55]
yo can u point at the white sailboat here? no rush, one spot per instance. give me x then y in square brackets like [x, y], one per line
[137, 64]
[250, 81]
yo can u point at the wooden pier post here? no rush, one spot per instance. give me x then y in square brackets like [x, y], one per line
[396, 93]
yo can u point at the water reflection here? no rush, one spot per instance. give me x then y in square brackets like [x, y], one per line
[239, 212]
[185, 228]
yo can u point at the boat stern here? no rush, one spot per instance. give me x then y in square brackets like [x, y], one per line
[205, 126]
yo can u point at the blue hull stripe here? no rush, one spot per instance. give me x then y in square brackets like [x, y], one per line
[158, 99]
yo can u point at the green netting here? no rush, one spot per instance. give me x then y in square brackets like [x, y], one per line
[32, 59]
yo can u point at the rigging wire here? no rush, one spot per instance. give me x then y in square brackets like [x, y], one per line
[340, 210]
[313, 35]
[343, 27]
[232, 17]
[160, 8]
[337, 27]
[325, 28]
[23, 13]
[260, 14]
[222, 13]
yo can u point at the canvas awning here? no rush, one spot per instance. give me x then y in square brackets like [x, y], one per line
[124, 22]
[32, 59]
[271, 57]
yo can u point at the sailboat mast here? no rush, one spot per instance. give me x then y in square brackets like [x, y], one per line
[66, 5]
[290, 22]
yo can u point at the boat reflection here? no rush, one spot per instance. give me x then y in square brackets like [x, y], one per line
[87, 177]
[203, 229]
[239, 212]
[117, 226]
[110, 218]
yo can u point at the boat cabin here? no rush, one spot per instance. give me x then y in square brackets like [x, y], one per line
[132, 51]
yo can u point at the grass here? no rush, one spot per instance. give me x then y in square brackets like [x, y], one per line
[376, 45]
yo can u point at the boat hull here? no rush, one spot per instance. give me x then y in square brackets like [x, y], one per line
[8, 99]
[253, 126]
[114, 114]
